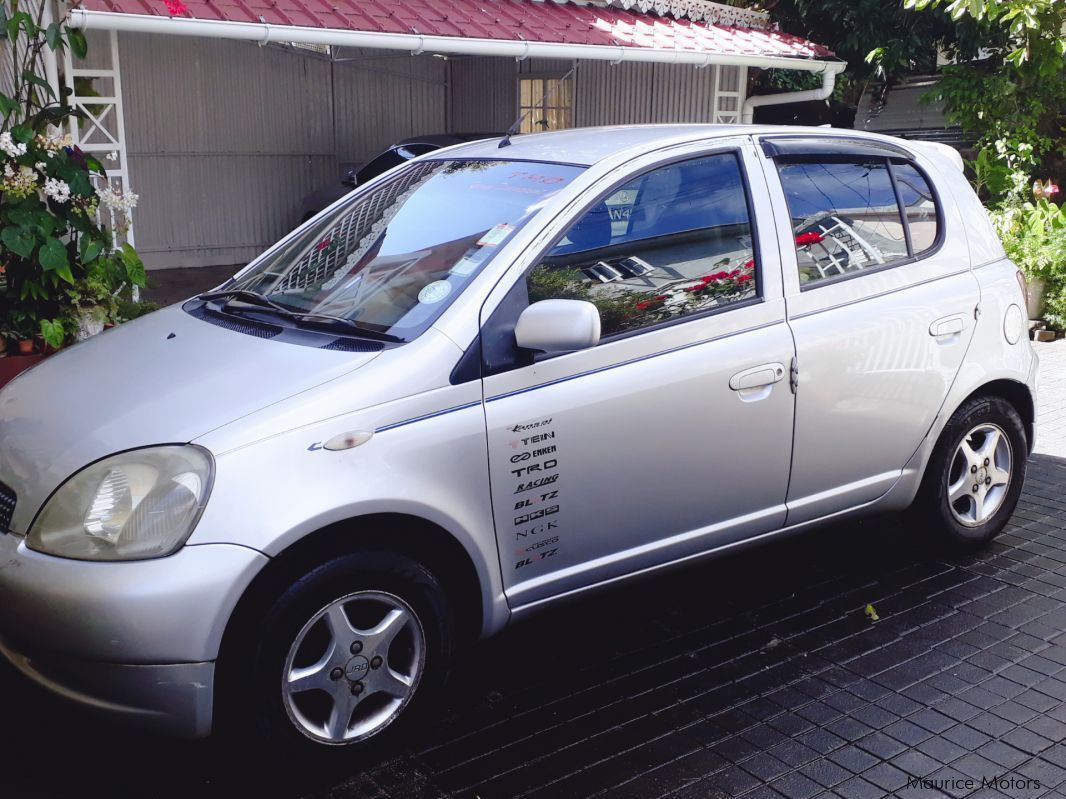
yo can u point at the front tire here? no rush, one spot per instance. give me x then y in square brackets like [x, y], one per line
[974, 477]
[346, 656]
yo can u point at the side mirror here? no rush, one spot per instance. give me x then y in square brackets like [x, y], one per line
[558, 326]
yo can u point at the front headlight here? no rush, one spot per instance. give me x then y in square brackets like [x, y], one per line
[132, 506]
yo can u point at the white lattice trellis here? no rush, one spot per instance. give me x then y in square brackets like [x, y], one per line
[729, 86]
[102, 131]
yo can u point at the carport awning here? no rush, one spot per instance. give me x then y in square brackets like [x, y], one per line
[519, 28]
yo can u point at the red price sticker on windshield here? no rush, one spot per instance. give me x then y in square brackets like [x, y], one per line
[495, 235]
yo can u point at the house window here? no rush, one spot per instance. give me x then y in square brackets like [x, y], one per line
[545, 103]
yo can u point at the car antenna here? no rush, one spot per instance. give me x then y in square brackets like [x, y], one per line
[517, 126]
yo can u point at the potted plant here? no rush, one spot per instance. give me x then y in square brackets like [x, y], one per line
[60, 264]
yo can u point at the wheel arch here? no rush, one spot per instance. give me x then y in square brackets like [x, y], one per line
[1017, 394]
[418, 538]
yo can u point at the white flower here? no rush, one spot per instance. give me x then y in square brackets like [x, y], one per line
[112, 156]
[40, 166]
[117, 201]
[12, 148]
[58, 190]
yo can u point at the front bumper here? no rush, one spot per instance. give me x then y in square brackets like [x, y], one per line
[138, 639]
[174, 699]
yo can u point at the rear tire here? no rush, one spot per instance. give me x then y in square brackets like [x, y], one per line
[975, 474]
[343, 660]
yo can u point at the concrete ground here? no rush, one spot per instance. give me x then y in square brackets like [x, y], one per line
[755, 675]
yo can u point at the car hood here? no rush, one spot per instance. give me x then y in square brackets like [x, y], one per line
[164, 378]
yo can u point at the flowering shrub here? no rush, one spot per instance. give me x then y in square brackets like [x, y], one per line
[58, 213]
[1034, 236]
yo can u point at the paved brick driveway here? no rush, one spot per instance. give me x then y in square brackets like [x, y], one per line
[756, 675]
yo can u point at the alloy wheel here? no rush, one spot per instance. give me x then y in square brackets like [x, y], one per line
[979, 474]
[353, 667]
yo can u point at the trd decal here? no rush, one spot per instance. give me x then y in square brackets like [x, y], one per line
[546, 466]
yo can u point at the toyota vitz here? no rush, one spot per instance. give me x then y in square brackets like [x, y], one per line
[494, 377]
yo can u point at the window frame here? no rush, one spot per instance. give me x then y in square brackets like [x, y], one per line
[543, 77]
[599, 197]
[859, 155]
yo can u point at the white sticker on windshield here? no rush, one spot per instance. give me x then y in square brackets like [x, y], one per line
[434, 292]
[495, 235]
[465, 266]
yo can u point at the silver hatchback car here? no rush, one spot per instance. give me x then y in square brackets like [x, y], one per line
[495, 377]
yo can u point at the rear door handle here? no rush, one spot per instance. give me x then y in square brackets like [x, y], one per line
[765, 375]
[947, 326]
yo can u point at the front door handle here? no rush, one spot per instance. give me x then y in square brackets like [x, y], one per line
[758, 376]
[947, 326]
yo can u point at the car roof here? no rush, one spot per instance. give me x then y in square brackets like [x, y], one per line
[586, 146]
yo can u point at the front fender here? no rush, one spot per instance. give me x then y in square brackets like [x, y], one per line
[273, 493]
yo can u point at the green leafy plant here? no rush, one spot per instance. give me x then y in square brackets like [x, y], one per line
[58, 259]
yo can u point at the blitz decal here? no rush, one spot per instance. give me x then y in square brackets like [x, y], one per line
[525, 503]
[540, 556]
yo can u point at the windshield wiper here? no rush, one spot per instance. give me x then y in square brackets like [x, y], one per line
[347, 324]
[245, 295]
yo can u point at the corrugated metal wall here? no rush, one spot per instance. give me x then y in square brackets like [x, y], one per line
[225, 139]
[381, 98]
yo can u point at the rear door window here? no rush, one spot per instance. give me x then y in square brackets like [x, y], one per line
[846, 214]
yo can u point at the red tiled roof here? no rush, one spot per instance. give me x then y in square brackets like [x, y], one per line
[507, 20]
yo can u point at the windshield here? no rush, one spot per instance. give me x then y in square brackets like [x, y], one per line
[391, 259]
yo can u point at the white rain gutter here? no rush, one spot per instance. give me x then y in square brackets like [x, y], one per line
[263, 33]
[829, 75]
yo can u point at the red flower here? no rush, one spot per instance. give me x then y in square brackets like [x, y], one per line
[744, 278]
[721, 276]
[803, 239]
[653, 301]
[734, 273]
[176, 7]
[749, 264]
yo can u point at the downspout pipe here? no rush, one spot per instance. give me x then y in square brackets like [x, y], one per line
[263, 33]
[829, 76]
